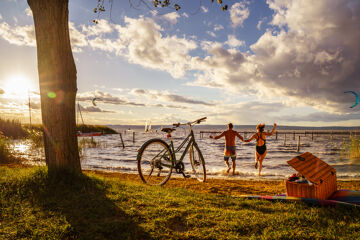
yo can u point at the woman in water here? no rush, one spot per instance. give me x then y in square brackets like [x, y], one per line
[260, 151]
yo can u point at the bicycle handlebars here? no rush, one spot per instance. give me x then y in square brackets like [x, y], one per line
[190, 123]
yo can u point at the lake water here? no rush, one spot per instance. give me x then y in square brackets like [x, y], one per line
[109, 155]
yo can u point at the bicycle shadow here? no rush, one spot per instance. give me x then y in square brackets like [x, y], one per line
[84, 204]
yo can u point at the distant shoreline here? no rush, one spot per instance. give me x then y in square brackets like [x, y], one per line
[210, 126]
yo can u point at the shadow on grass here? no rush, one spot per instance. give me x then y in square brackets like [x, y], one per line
[83, 202]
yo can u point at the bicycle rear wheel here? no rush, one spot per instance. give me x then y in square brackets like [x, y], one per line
[155, 162]
[197, 163]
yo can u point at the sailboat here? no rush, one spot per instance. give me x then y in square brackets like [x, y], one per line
[148, 126]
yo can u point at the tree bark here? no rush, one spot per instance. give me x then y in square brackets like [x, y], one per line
[57, 78]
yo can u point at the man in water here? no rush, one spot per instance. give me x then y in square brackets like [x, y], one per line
[230, 147]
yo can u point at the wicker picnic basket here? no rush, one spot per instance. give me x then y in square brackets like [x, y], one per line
[320, 174]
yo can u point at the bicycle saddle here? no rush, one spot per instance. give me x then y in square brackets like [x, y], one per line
[168, 130]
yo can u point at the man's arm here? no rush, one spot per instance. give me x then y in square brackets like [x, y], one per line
[239, 136]
[272, 132]
[217, 137]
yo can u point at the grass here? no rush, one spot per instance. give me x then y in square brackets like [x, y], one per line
[95, 128]
[34, 205]
[11, 128]
[351, 149]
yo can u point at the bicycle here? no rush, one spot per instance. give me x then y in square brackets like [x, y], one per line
[156, 159]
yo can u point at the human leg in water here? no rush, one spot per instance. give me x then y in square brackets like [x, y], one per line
[257, 156]
[228, 166]
[261, 159]
[234, 166]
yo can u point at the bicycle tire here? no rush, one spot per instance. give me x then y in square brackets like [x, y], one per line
[155, 156]
[197, 162]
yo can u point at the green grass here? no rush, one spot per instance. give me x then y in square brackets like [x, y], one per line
[36, 206]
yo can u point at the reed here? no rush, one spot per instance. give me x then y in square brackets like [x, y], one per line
[12, 128]
[351, 148]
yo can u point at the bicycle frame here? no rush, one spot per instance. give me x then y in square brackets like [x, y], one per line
[190, 140]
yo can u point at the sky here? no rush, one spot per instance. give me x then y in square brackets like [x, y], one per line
[283, 61]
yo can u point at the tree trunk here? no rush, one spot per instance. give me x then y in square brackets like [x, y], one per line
[57, 78]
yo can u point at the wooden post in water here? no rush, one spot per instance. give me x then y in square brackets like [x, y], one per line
[298, 145]
[276, 133]
[284, 139]
[331, 135]
[312, 136]
[122, 141]
[133, 137]
[294, 136]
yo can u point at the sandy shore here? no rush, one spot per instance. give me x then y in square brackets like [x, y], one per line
[224, 186]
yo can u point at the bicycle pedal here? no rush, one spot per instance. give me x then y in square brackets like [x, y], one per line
[186, 176]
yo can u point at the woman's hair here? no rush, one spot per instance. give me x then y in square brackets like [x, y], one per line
[230, 125]
[260, 127]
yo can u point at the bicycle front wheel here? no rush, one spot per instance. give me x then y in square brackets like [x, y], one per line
[197, 163]
[155, 162]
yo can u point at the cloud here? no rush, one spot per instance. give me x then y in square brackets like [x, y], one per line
[185, 15]
[239, 12]
[141, 42]
[211, 34]
[18, 35]
[234, 42]
[168, 97]
[171, 17]
[310, 59]
[320, 117]
[94, 109]
[28, 12]
[105, 98]
[1, 17]
[102, 27]
[204, 9]
[2, 91]
[260, 22]
[218, 27]
[25, 35]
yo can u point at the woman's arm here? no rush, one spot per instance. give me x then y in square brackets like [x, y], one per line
[272, 132]
[250, 139]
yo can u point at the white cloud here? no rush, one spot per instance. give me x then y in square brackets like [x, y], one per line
[312, 60]
[234, 42]
[260, 22]
[102, 27]
[204, 9]
[28, 12]
[218, 27]
[185, 15]
[239, 12]
[141, 41]
[1, 17]
[171, 17]
[211, 34]
[18, 35]
[25, 35]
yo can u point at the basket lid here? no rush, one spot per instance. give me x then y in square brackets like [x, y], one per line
[312, 168]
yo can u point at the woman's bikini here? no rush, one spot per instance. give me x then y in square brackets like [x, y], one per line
[260, 149]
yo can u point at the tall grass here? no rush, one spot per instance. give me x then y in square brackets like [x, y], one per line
[12, 128]
[6, 155]
[351, 149]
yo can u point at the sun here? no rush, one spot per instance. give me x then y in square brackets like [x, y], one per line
[18, 85]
